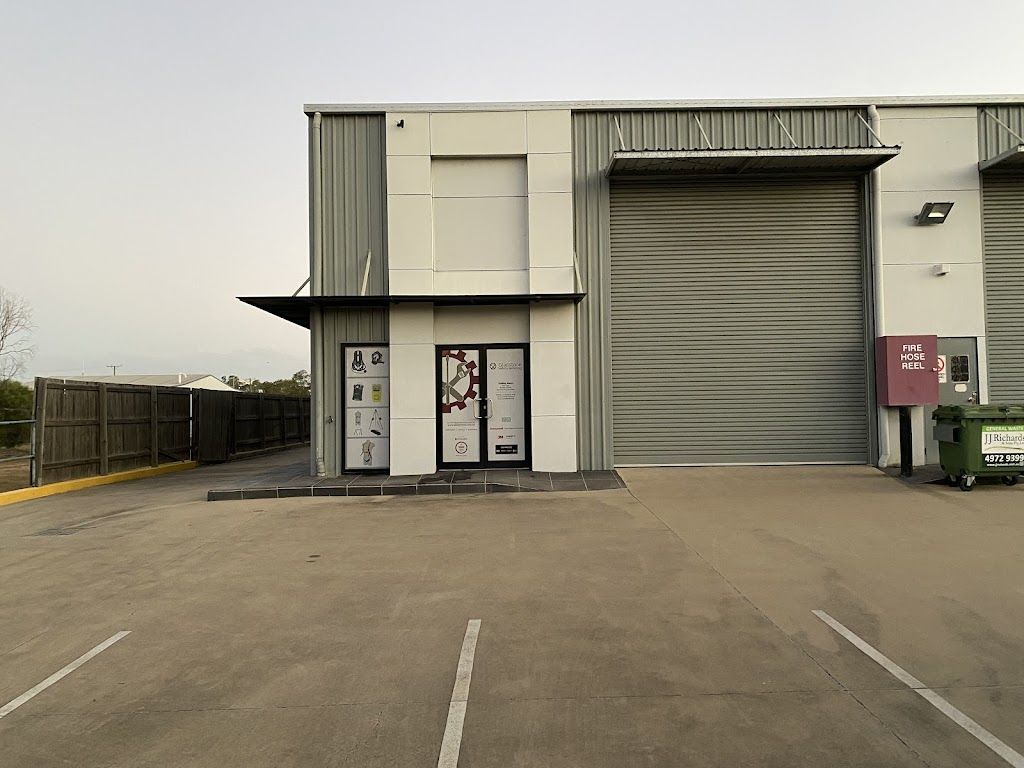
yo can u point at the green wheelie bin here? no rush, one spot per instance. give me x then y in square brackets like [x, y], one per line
[980, 441]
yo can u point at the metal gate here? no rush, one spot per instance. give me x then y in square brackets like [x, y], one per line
[737, 321]
[1003, 222]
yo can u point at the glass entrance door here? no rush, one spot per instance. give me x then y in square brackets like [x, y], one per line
[483, 406]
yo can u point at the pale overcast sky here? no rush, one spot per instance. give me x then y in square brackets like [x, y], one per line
[153, 155]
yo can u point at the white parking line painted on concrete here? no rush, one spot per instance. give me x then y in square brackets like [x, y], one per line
[452, 741]
[1010, 755]
[61, 674]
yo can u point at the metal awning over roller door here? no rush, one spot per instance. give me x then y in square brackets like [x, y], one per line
[1003, 221]
[737, 321]
[796, 160]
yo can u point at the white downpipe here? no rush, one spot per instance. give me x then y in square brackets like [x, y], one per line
[316, 289]
[878, 282]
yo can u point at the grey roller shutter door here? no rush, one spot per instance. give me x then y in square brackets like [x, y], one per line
[737, 321]
[1003, 206]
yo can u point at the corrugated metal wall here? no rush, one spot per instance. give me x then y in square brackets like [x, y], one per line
[354, 203]
[344, 326]
[595, 136]
[737, 321]
[1003, 222]
[993, 138]
[353, 223]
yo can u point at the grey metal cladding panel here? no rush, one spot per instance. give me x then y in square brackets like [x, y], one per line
[344, 326]
[1003, 222]
[994, 139]
[737, 321]
[739, 128]
[593, 144]
[355, 203]
[595, 137]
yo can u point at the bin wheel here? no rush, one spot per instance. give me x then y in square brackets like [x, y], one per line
[1010, 480]
[965, 483]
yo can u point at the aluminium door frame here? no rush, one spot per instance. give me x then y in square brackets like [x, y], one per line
[484, 464]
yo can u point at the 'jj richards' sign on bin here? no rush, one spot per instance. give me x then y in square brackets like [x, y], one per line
[905, 370]
[1002, 445]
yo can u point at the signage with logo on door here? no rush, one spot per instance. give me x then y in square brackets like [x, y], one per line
[483, 406]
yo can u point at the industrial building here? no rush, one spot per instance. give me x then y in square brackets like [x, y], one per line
[183, 380]
[564, 286]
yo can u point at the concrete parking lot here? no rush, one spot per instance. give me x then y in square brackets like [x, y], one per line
[669, 624]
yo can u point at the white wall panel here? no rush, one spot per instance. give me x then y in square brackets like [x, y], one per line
[412, 366]
[413, 138]
[939, 149]
[480, 233]
[473, 282]
[550, 173]
[553, 321]
[413, 446]
[411, 282]
[956, 240]
[554, 443]
[478, 133]
[408, 175]
[478, 176]
[551, 239]
[409, 232]
[549, 130]
[481, 325]
[553, 378]
[917, 301]
[412, 323]
[552, 280]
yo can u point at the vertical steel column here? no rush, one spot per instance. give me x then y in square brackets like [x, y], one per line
[316, 325]
[906, 442]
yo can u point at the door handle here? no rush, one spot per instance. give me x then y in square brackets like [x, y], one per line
[482, 408]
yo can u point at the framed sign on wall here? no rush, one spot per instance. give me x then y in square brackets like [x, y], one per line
[367, 406]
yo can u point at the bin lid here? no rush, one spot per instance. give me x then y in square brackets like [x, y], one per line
[960, 412]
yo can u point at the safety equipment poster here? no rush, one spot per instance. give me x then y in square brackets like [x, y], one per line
[367, 400]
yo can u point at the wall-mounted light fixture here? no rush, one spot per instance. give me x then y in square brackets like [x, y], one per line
[934, 213]
[940, 269]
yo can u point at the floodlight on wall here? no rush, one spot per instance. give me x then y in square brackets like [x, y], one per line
[933, 213]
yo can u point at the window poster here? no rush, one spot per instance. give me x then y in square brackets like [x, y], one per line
[367, 400]
[460, 406]
[506, 390]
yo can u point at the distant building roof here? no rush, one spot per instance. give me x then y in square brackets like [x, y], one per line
[186, 380]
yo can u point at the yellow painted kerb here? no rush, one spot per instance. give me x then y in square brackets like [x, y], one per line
[24, 494]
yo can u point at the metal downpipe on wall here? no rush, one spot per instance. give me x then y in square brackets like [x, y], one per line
[316, 289]
[878, 282]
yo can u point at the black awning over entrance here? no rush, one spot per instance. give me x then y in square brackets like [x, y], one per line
[296, 309]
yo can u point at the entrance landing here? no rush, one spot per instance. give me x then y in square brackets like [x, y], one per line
[287, 482]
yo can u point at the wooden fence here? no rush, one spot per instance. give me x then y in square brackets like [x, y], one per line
[89, 428]
[233, 424]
